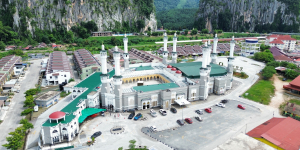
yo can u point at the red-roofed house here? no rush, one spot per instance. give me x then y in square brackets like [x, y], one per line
[293, 87]
[284, 42]
[280, 133]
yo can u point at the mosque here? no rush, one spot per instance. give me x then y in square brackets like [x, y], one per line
[140, 86]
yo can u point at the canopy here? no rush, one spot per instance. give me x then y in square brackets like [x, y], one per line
[182, 101]
[87, 112]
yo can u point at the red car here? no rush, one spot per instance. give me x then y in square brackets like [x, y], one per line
[208, 110]
[241, 107]
[189, 120]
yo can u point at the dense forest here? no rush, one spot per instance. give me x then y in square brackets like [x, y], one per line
[176, 14]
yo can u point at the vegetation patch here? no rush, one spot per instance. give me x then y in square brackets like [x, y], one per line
[261, 92]
[295, 101]
[241, 75]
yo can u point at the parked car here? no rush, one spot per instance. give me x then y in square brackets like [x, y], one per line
[173, 110]
[284, 79]
[224, 101]
[131, 116]
[153, 128]
[18, 91]
[220, 105]
[96, 134]
[153, 114]
[102, 113]
[208, 110]
[188, 120]
[151, 111]
[163, 112]
[198, 118]
[241, 107]
[200, 112]
[138, 116]
[180, 122]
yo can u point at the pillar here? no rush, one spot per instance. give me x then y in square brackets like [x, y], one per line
[117, 79]
[174, 53]
[230, 65]
[105, 88]
[165, 52]
[208, 60]
[204, 74]
[214, 53]
[126, 55]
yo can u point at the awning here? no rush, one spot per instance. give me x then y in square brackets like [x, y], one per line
[88, 112]
[182, 101]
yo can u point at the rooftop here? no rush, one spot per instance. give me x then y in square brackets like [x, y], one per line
[92, 93]
[91, 82]
[192, 69]
[84, 58]
[155, 87]
[296, 82]
[46, 96]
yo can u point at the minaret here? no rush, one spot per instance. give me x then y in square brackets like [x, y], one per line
[230, 65]
[214, 54]
[174, 53]
[208, 55]
[126, 55]
[117, 80]
[204, 74]
[105, 88]
[165, 52]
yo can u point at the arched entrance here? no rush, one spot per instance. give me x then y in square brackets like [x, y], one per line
[167, 104]
[148, 105]
[144, 106]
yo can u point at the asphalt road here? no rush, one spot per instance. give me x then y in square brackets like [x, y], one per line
[13, 116]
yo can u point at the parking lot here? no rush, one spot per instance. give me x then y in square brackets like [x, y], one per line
[198, 134]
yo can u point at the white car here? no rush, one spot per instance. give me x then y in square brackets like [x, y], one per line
[153, 114]
[220, 105]
[153, 128]
[163, 112]
[151, 111]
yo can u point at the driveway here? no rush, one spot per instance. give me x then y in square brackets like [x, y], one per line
[13, 116]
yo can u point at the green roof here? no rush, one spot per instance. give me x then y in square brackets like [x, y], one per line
[90, 83]
[154, 87]
[141, 68]
[192, 69]
[87, 112]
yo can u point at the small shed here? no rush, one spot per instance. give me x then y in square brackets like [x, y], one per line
[47, 99]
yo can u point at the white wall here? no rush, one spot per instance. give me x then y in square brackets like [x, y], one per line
[62, 77]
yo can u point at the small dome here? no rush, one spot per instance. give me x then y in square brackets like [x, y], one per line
[169, 66]
[57, 115]
[178, 72]
[173, 69]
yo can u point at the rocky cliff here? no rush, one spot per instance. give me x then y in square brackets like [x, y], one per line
[47, 14]
[246, 13]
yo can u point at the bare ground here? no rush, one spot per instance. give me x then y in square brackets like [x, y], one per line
[279, 96]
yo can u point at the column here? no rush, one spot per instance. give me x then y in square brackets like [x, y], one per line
[230, 65]
[214, 54]
[105, 88]
[203, 87]
[165, 52]
[208, 55]
[174, 53]
[117, 79]
[126, 55]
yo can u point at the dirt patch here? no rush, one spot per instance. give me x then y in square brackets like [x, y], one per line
[279, 96]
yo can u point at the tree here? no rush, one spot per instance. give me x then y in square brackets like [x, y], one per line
[291, 66]
[284, 63]
[26, 124]
[120, 148]
[186, 31]
[268, 72]
[274, 64]
[131, 145]
[15, 141]
[32, 91]
[71, 80]
[204, 31]
[194, 32]
[2, 46]
[26, 112]
[29, 102]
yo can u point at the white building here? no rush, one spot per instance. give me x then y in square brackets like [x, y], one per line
[57, 78]
[19, 68]
[283, 42]
[47, 99]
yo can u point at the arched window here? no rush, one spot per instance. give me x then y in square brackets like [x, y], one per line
[71, 126]
[55, 131]
[74, 122]
[74, 90]
[64, 129]
[78, 91]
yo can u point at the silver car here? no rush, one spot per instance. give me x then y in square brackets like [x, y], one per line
[153, 114]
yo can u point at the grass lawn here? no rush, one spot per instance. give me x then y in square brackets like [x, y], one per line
[261, 92]
[288, 80]
[295, 101]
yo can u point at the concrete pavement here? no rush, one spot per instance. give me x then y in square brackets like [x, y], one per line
[13, 116]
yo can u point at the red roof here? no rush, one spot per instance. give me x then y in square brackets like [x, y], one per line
[173, 69]
[169, 66]
[57, 115]
[178, 72]
[286, 37]
[272, 36]
[296, 82]
[277, 41]
[283, 132]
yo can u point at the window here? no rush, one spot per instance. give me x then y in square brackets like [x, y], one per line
[87, 75]
[65, 75]
[86, 70]
[50, 77]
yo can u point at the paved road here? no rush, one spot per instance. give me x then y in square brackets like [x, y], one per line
[13, 117]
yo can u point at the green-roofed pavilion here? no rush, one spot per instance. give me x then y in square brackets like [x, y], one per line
[155, 87]
[192, 69]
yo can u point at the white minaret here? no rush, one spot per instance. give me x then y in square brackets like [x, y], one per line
[204, 75]
[209, 53]
[117, 80]
[174, 53]
[214, 54]
[230, 65]
[105, 88]
[165, 52]
[125, 54]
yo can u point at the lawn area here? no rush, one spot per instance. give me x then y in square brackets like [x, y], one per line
[261, 92]
[288, 80]
[295, 101]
